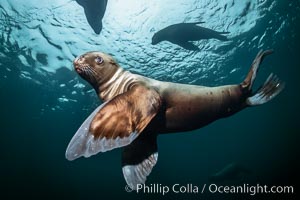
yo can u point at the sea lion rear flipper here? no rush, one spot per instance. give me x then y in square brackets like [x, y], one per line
[139, 158]
[116, 123]
[270, 89]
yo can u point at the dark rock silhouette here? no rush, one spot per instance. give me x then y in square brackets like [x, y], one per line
[94, 11]
[184, 33]
[231, 172]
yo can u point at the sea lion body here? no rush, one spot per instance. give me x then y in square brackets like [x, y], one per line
[198, 106]
[187, 107]
[136, 109]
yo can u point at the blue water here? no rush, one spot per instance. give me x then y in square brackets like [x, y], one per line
[44, 101]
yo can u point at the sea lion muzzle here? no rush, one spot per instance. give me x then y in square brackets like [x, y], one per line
[80, 65]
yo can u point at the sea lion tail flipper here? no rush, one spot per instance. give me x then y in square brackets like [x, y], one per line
[271, 88]
[249, 80]
[116, 123]
[139, 158]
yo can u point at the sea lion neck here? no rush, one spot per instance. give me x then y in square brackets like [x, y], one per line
[117, 84]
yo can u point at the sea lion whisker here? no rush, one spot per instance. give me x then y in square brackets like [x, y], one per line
[84, 70]
[87, 72]
[91, 75]
[95, 73]
[91, 72]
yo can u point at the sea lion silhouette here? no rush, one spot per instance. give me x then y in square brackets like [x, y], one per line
[94, 11]
[183, 33]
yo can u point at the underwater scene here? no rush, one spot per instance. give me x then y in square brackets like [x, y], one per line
[62, 59]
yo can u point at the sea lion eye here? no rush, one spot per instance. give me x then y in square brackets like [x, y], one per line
[99, 60]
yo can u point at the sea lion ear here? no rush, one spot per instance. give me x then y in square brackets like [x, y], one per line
[115, 123]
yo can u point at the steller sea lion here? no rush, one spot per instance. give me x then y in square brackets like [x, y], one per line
[136, 109]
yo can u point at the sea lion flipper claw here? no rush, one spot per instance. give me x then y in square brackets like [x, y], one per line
[115, 124]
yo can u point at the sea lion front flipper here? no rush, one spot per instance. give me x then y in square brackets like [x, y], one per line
[116, 123]
[188, 46]
[139, 158]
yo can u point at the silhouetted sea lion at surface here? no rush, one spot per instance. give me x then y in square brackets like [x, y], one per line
[136, 109]
[94, 11]
[184, 33]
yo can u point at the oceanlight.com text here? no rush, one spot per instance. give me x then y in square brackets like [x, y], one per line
[211, 188]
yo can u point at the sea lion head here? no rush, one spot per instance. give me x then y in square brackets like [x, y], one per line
[95, 67]
[156, 38]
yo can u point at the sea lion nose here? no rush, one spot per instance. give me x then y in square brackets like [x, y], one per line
[76, 64]
[75, 61]
[78, 59]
